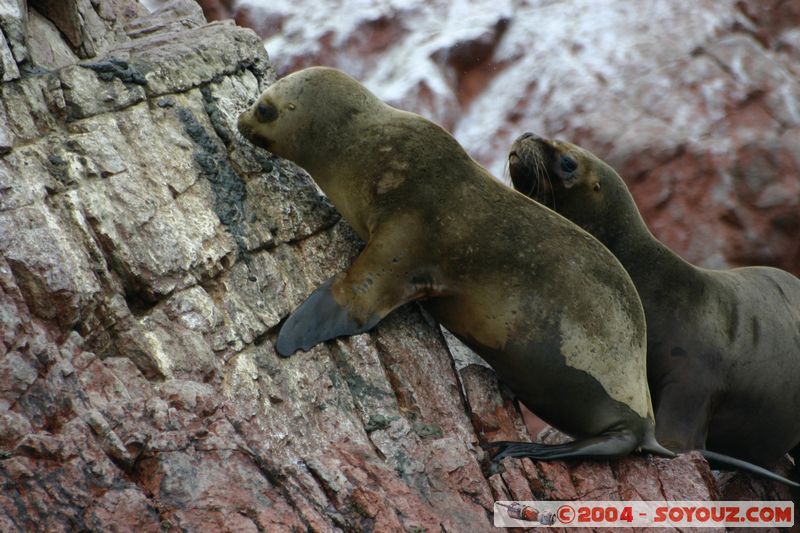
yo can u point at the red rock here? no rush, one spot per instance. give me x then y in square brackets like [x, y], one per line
[514, 477]
[129, 507]
[493, 415]
[13, 427]
[16, 375]
[597, 481]
[556, 481]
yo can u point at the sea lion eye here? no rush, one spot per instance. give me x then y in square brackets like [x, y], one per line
[266, 112]
[596, 186]
[568, 164]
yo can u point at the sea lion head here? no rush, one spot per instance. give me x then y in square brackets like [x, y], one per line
[567, 178]
[304, 116]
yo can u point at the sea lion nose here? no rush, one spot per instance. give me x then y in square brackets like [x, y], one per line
[266, 112]
[528, 135]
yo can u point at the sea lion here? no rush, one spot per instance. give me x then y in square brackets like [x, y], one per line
[544, 303]
[723, 347]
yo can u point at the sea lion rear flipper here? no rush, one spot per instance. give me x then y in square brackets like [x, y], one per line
[605, 446]
[381, 279]
[726, 462]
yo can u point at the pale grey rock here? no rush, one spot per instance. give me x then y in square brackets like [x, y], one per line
[8, 67]
[6, 137]
[79, 22]
[53, 271]
[13, 312]
[13, 22]
[32, 107]
[176, 62]
[172, 16]
[463, 356]
[194, 309]
[87, 95]
[48, 50]
[23, 179]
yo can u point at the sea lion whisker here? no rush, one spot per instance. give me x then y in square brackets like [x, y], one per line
[529, 162]
[507, 173]
[552, 193]
[546, 175]
[534, 176]
[541, 171]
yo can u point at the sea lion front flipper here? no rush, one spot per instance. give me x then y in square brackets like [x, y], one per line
[381, 279]
[319, 318]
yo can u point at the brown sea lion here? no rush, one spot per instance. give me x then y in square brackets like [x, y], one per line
[542, 301]
[723, 348]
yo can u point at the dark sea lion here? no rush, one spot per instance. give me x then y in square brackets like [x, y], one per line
[544, 303]
[723, 348]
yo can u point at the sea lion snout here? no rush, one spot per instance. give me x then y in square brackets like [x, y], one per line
[242, 124]
[526, 146]
[527, 135]
[266, 112]
[527, 164]
[246, 127]
[520, 144]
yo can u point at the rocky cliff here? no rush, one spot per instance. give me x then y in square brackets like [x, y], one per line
[147, 256]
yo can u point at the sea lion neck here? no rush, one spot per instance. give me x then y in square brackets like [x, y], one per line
[376, 168]
[638, 253]
[630, 240]
[337, 166]
[322, 153]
